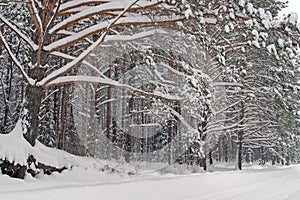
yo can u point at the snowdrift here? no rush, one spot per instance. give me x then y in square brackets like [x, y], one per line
[15, 149]
[17, 154]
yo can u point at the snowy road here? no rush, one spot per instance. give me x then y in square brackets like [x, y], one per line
[270, 183]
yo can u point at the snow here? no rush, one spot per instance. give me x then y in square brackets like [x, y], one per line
[272, 49]
[122, 38]
[256, 44]
[102, 26]
[15, 148]
[231, 14]
[262, 13]
[77, 3]
[92, 178]
[293, 17]
[188, 12]
[227, 29]
[266, 23]
[16, 30]
[268, 183]
[106, 81]
[255, 34]
[16, 61]
[37, 17]
[103, 8]
[242, 3]
[250, 8]
[249, 23]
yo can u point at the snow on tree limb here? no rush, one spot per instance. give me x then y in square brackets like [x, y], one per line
[123, 38]
[35, 15]
[106, 81]
[68, 57]
[126, 38]
[16, 30]
[79, 3]
[183, 121]
[223, 128]
[215, 84]
[65, 69]
[76, 37]
[51, 21]
[101, 9]
[38, 22]
[15, 60]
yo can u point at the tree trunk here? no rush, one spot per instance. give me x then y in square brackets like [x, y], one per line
[203, 163]
[210, 158]
[33, 100]
[239, 152]
[240, 156]
[7, 98]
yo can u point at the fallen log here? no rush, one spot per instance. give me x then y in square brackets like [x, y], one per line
[16, 170]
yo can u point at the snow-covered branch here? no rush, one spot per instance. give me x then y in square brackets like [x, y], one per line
[38, 22]
[183, 121]
[127, 38]
[125, 21]
[100, 9]
[105, 81]
[16, 30]
[68, 57]
[65, 69]
[80, 3]
[15, 60]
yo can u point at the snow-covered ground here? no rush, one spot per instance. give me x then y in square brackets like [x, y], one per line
[90, 178]
[257, 183]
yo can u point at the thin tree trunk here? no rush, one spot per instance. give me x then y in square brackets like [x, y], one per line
[7, 95]
[240, 154]
[210, 158]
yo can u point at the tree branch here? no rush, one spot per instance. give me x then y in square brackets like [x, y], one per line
[37, 20]
[68, 67]
[15, 60]
[106, 81]
[68, 57]
[72, 39]
[96, 10]
[15, 29]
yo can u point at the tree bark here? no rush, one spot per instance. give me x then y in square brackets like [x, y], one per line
[210, 158]
[239, 152]
[33, 101]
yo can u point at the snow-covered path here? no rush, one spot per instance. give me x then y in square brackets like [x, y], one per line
[270, 183]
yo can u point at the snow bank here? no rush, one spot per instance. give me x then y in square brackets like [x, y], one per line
[15, 148]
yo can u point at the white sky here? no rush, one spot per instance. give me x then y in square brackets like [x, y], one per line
[294, 6]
